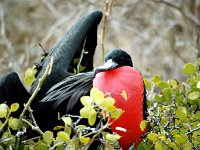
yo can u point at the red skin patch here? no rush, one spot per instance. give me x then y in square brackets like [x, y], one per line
[114, 82]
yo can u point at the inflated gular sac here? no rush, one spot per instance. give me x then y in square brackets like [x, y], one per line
[130, 81]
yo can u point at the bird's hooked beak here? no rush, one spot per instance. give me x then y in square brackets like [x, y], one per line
[109, 65]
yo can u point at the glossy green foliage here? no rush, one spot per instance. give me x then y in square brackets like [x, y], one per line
[173, 122]
[174, 112]
[29, 77]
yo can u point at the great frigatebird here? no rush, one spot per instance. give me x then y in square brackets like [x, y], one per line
[116, 75]
[64, 96]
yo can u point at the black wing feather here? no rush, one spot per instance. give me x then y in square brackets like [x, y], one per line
[67, 93]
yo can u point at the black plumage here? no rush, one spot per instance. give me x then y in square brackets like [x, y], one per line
[13, 91]
[82, 35]
[64, 97]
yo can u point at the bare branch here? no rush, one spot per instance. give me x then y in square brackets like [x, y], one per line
[196, 129]
[107, 11]
[47, 72]
[35, 128]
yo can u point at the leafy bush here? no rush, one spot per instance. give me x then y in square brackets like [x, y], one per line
[174, 113]
[173, 121]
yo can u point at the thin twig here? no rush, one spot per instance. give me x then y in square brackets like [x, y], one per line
[57, 144]
[107, 11]
[4, 124]
[35, 128]
[34, 138]
[81, 58]
[41, 80]
[196, 129]
[98, 132]
[44, 51]
[6, 139]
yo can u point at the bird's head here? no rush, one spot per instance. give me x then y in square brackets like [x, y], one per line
[114, 59]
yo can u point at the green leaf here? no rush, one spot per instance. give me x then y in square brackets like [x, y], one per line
[163, 120]
[198, 60]
[84, 140]
[174, 83]
[70, 146]
[58, 142]
[198, 77]
[107, 102]
[14, 107]
[76, 60]
[181, 113]
[92, 118]
[111, 109]
[152, 137]
[13, 123]
[117, 113]
[96, 94]
[163, 84]
[147, 84]
[167, 92]
[162, 137]
[198, 85]
[68, 130]
[159, 146]
[81, 68]
[189, 68]
[67, 121]
[3, 110]
[183, 138]
[174, 132]
[195, 134]
[112, 137]
[48, 137]
[40, 146]
[162, 131]
[80, 128]
[159, 98]
[63, 136]
[197, 114]
[188, 146]
[30, 76]
[156, 79]
[86, 111]
[58, 128]
[143, 124]
[86, 100]
[193, 95]
[167, 95]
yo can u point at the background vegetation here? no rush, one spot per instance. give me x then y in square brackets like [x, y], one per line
[160, 35]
